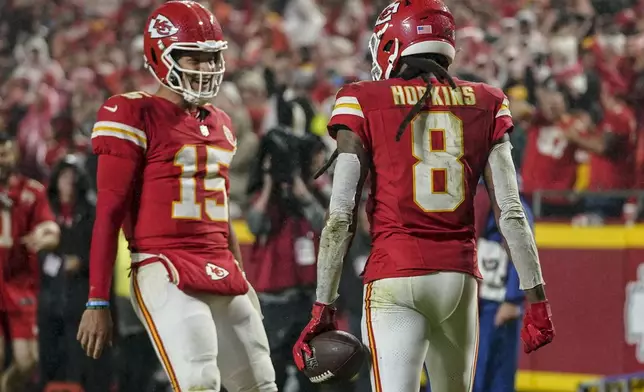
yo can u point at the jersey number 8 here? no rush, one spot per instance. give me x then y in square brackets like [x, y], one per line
[187, 206]
[437, 144]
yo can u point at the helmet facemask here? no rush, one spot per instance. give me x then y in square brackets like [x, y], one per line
[374, 45]
[195, 85]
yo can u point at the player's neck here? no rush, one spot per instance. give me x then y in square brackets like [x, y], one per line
[175, 98]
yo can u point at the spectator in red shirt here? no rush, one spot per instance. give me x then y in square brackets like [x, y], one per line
[612, 162]
[549, 160]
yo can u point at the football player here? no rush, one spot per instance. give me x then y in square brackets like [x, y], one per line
[163, 175]
[425, 138]
[27, 226]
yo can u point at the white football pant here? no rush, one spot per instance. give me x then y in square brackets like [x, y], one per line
[430, 319]
[203, 341]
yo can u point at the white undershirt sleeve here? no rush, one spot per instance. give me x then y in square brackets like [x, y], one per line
[513, 223]
[336, 237]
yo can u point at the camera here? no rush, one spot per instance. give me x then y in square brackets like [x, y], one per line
[288, 156]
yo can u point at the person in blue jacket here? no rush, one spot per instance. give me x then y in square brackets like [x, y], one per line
[500, 311]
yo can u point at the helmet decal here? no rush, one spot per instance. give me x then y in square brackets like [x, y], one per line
[385, 15]
[161, 27]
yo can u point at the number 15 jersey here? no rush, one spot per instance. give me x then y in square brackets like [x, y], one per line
[421, 204]
[179, 206]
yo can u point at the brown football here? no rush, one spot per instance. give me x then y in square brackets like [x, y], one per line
[337, 356]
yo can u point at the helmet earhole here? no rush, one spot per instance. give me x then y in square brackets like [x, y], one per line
[153, 56]
[388, 46]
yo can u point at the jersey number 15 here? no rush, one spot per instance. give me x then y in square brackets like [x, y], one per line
[187, 207]
[437, 144]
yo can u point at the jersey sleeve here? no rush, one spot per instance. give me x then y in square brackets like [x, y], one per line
[502, 118]
[111, 207]
[120, 129]
[42, 214]
[348, 112]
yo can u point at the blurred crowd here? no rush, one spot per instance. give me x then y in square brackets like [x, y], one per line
[572, 69]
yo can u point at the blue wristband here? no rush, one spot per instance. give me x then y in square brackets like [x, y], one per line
[95, 304]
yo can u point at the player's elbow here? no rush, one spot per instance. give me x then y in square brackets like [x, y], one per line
[110, 209]
[512, 210]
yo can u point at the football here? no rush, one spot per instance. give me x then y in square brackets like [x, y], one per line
[337, 356]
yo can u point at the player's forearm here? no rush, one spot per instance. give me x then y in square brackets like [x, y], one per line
[512, 221]
[104, 246]
[334, 245]
[337, 233]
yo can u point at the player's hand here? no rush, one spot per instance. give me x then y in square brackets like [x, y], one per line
[33, 241]
[506, 312]
[537, 326]
[42, 237]
[322, 320]
[95, 331]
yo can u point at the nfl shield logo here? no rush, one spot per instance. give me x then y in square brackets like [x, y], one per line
[204, 130]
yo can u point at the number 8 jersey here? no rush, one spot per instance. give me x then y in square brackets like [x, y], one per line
[421, 204]
[179, 206]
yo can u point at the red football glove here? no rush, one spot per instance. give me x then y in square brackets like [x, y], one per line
[537, 326]
[322, 320]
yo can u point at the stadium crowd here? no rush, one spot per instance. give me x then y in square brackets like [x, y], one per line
[573, 70]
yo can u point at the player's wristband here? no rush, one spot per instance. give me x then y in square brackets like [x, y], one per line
[95, 304]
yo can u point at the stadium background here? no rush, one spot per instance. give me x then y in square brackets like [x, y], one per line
[60, 59]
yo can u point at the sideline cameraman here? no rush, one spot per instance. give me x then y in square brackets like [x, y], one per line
[286, 216]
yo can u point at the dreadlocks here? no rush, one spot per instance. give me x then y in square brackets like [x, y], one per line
[423, 68]
[416, 67]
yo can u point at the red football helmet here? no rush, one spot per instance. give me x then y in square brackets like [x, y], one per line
[184, 26]
[409, 27]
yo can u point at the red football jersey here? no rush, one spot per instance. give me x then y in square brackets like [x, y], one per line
[615, 172]
[29, 209]
[421, 204]
[180, 203]
[549, 160]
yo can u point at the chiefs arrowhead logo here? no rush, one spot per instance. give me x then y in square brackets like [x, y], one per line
[386, 14]
[215, 272]
[161, 27]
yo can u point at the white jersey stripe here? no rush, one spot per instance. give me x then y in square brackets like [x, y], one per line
[120, 134]
[121, 126]
[352, 100]
[345, 110]
[504, 111]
